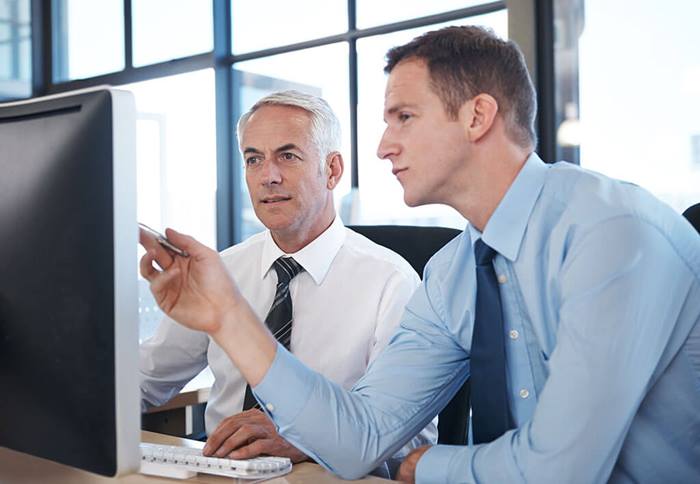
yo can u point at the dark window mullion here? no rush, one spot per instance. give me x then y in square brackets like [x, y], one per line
[41, 47]
[352, 72]
[228, 218]
[546, 125]
[138, 74]
[128, 37]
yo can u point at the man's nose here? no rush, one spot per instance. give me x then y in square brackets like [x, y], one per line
[270, 173]
[387, 146]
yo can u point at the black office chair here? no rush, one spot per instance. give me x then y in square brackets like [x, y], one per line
[693, 216]
[417, 245]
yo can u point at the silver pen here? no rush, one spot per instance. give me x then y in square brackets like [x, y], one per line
[163, 240]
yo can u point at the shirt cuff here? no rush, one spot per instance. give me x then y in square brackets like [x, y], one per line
[273, 394]
[434, 466]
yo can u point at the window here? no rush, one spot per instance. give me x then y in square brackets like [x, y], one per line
[15, 49]
[195, 66]
[170, 29]
[176, 164]
[262, 25]
[88, 38]
[371, 13]
[628, 93]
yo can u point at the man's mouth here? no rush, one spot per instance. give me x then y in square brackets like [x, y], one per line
[275, 199]
[396, 171]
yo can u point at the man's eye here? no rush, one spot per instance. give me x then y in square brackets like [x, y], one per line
[289, 156]
[252, 161]
[403, 117]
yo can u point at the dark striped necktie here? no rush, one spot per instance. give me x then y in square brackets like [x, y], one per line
[489, 398]
[279, 317]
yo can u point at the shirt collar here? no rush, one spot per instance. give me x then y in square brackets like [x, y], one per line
[315, 258]
[505, 230]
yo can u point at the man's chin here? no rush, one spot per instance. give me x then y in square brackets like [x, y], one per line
[272, 218]
[412, 201]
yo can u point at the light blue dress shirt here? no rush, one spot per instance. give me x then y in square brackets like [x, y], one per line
[600, 285]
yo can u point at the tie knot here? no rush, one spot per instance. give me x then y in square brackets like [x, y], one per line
[483, 253]
[286, 268]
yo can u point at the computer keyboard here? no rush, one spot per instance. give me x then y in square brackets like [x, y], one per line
[184, 462]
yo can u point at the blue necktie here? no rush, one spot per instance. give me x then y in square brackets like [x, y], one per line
[489, 400]
[279, 317]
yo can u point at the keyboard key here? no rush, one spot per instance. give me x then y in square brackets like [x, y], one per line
[167, 460]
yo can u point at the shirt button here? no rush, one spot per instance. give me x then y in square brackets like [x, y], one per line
[513, 333]
[524, 393]
[502, 278]
[270, 407]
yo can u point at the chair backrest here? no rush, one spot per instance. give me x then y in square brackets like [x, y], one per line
[693, 216]
[417, 245]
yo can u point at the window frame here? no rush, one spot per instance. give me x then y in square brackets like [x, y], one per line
[528, 22]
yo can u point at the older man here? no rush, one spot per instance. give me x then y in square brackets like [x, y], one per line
[329, 295]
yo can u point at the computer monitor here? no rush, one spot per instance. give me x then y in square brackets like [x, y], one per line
[68, 284]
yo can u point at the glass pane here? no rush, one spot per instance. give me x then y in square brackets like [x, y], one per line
[630, 106]
[371, 13]
[261, 25]
[88, 38]
[381, 199]
[170, 29]
[176, 164]
[296, 70]
[15, 49]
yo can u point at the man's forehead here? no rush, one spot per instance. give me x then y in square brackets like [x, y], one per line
[279, 113]
[278, 122]
[405, 84]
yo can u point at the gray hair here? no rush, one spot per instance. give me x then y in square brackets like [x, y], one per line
[325, 127]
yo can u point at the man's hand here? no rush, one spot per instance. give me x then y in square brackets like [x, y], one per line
[247, 435]
[407, 470]
[196, 291]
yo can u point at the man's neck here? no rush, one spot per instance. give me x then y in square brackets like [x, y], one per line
[293, 240]
[489, 182]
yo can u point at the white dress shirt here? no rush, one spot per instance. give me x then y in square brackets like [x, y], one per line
[346, 305]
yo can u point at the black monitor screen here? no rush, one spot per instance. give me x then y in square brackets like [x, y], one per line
[61, 324]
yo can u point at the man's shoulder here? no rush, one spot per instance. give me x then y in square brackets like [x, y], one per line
[587, 198]
[580, 203]
[364, 251]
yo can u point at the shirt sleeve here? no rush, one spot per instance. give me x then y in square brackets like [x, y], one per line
[397, 293]
[350, 433]
[622, 287]
[168, 360]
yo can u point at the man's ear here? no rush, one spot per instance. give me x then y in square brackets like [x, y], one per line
[334, 169]
[478, 116]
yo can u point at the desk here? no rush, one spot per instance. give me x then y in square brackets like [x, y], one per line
[18, 468]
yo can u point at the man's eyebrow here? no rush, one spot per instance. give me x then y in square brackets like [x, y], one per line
[285, 147]
[288, 146]
[398, 107]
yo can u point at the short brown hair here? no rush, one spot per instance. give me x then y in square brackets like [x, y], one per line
[470, 60]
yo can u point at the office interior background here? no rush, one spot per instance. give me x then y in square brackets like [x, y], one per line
[618, 87]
